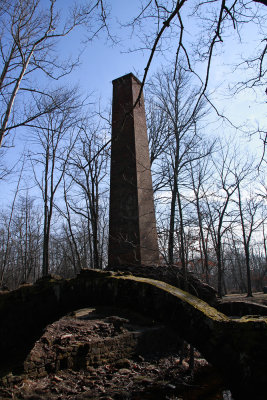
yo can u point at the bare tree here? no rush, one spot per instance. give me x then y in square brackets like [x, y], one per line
[201, 173]
[174, 99]
[250, 222]
[87, 169]
[5, 170]
[225, 165]
[215, 19]
[28, 39]
[72, 240]
[56, 133]
[236, 261]
[27, 224]
[157, 128]
[21, 242]
[6, 246]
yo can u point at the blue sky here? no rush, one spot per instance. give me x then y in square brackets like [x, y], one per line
[101, 62]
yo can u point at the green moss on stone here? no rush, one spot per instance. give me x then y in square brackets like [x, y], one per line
[186, 297]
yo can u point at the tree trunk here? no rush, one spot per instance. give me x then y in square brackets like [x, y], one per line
[249, 288]
[171, 228]
[219, 262]
[181, 232]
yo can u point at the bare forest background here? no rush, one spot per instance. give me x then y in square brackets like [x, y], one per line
[210, 193]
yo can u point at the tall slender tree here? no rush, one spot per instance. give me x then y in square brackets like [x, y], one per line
[174, 98]
[87, 169]
[56, 133]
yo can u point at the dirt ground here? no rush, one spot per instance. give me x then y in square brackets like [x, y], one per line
[258, 297]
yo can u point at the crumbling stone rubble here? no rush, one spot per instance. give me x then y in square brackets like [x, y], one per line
[97, 354]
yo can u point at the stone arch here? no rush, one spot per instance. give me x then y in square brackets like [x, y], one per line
[236, 347]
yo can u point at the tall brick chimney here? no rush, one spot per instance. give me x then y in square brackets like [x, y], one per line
[132, 224]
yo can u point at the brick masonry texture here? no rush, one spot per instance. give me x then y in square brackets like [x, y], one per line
[132, 229]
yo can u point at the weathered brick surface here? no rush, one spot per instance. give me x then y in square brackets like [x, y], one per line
[237, 347]
[83, 355]
[132, 229]
[93, 343]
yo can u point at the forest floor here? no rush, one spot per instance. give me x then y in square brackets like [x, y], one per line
[155, 376]
[258, 297]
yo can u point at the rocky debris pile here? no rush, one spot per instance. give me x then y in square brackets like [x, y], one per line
[165, 373]
[173, 275]
[162, 377]
[92, 338]
[74, 343]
